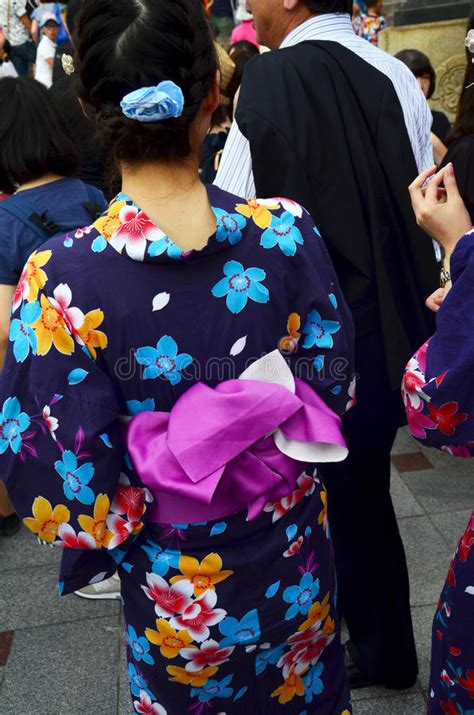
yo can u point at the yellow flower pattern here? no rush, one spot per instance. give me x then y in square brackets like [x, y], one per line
[171, 642]
[46, 520]
[97, 526]
[202, 575]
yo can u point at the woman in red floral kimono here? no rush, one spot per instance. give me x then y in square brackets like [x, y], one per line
[438, 390]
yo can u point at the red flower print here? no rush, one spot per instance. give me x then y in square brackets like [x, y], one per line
[120, 529]
[199, 615]
[307, 648]
[71, 540]
[468, 683]
[446, 679]
[294, 548]
[145, 706]
[417, 421]
[446, 417]
[466, 543]
[450, 708]
[209, 654]
[130, 501]
[455, 651]
[305, 487]
[134, 231]
[168, 599]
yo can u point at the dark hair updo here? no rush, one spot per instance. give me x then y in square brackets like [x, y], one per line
[124, 45]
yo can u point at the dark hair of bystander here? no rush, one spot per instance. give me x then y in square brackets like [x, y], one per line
[34, 140]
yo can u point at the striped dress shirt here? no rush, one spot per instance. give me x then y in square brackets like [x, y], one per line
[235, 172]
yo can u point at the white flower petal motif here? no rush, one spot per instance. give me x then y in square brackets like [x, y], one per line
[160, 301]
[470, 590]
[239, 346]
[98, 578]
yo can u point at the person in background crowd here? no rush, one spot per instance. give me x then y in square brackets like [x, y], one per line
[240, 53]
[234, 555]
[6, 67]
[214, 142]
[461, 138]
[16, 26]
[93, 165]
[356, 17]
[49, 27]
[245, 30]
[347, 125]
[423, 70]
[371, 22]
[37, 159]
[222, 21]
[52, 8]
[439, 398]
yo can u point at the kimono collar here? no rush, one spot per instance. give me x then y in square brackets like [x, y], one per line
[128, 229]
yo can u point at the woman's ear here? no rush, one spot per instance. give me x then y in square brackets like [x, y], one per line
[214, 95]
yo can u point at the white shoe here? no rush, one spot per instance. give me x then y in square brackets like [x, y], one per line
[109, 589]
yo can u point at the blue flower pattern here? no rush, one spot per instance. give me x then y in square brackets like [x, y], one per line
[214, 689]
[21, 334]
[301, 597]
[13, 423]
[139, 646]
[319, 332]
[163, 361]
[76, 478]
[283, 233]
[229, 226]
[240, 286]
[165, 245]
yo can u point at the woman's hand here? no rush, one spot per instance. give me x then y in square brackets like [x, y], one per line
[445, 219]
[436, 299]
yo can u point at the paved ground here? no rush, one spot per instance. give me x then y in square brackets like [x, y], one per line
[65, 656]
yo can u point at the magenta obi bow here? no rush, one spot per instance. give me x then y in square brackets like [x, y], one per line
[238, 446]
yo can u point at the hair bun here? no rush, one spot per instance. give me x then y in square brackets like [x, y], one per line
[124, 46]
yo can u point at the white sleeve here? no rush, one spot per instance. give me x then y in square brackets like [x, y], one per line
[20, 8]
[235, 173]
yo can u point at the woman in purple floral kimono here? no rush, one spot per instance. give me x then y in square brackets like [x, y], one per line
[182, 362]
[439, 397]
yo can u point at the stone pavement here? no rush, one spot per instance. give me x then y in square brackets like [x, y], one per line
[65, 656]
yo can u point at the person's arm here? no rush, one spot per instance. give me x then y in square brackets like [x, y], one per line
[35, 31]
[6, 297]
[439, 149]
[62, 455]
[27, 22]
[438, 389]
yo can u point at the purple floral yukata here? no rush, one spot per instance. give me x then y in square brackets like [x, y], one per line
[438, 391]
[115, 322]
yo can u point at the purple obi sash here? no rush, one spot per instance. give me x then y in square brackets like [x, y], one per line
[238, 446]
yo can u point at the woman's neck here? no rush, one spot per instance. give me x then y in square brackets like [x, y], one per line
[174, 198]
[46, 179]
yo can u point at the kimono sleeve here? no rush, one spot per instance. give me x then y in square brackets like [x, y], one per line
[438, 389]
[61, 446]
[320, 332]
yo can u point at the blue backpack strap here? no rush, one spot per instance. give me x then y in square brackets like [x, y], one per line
[96, 202]
[28, 214]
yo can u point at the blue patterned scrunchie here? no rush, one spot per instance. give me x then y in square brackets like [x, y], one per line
[154, 104]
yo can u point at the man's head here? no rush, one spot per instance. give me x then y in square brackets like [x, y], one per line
[275, 19]
[50, 26]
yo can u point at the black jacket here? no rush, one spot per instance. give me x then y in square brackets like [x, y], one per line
[327, 130]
